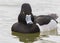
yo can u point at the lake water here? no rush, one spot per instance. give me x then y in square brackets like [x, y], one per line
[8, 16]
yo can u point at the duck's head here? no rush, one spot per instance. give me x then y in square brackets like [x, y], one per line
[26, 8]
[27, 11]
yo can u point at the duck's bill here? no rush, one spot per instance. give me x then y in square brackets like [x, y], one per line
[28, 19]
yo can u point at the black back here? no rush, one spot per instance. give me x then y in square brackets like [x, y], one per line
[44, 19]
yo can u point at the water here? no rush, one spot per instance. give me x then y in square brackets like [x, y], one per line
[8, 16]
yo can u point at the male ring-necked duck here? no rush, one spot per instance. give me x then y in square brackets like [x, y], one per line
[27, 22]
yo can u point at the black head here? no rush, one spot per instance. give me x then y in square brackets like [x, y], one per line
[26, 8]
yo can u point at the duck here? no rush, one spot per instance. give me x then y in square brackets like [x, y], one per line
[25, 22]
[28, 23]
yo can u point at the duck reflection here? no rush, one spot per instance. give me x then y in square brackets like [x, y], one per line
[27, 38]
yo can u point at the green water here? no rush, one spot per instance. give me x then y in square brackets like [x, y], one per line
[26, 38]
[30, 38]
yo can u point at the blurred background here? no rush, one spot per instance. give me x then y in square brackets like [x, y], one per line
[10, 9]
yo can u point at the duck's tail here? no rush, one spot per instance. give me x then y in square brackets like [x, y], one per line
[54, 17]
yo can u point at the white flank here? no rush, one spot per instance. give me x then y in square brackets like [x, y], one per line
[48, 28]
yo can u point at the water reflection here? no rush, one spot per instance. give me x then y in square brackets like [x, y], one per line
[27, 38]
[51, 32]
[31, 38]
[36, 37]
